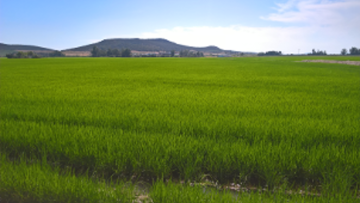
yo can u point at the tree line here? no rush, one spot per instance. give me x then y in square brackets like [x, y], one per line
[30, 54]
[96, 52]
[182, 53]
[21, 54]
[352, 51]
[270, 53]
[318, 53]
[187, 53]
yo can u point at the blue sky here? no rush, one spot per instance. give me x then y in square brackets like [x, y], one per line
[290, 26]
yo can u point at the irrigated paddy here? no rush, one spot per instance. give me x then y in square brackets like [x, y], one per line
[260, 121]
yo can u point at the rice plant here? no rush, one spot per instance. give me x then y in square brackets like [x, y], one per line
[256, 121]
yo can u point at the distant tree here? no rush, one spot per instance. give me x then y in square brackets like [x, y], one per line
[273, 53]
[35, 56]
[126, 53]
[95, 52]
[318, 52]
[56, 54]
[116, 52]
[187, 53]
[30, 54]
[10, 56]
[184, 53]
[102, 53]
[172, 53]
[354, 51]
[270, 53]
[21, 55]
[343, 52]
[109, 53]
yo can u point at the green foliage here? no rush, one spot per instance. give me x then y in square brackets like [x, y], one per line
[30, 54]
[96, 52]
[318, 53]
[270, 53]
[20, 54]
[37, 181]
[57, 54]
[10, 56]
[172, 53]
[187, 53]
[116, 52]
[262, 121]
[113, 53]
[354, 51]
[343, 52]
[4, 53]
[126, 53]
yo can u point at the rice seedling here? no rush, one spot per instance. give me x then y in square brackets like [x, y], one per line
[21, 181]
[255, 121]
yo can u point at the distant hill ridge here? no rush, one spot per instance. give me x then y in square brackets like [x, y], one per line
[134, 44]
[9, 48]
[22, 47]
[145, 45]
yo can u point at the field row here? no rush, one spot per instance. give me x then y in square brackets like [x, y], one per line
[263, 122]
[22, 181]
[291, 159]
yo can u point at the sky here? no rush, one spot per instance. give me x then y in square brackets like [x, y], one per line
[290, 26]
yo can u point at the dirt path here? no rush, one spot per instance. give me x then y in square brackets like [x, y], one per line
[356, 63]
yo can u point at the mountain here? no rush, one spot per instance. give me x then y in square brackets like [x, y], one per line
[134, 44]
[145, 45]
[22, 47]
[8, 48]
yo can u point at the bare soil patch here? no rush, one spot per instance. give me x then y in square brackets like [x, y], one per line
[356, 63]
[77, 53]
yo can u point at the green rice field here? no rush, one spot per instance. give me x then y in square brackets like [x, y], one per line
[94, 129]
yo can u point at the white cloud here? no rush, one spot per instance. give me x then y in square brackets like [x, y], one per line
[285, 6]
[243, 38]
[234, 37]
[326, 25]
[318, 12]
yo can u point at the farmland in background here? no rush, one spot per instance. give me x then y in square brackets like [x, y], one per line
[264, 122]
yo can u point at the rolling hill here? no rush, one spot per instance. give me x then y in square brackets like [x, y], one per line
[23, 47]
[146, 45]
[134, 44]
[8, 48]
